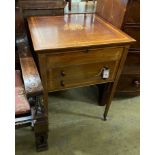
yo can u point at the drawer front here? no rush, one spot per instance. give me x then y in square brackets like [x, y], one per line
[83, 57]
[80, 75]
[129, 83]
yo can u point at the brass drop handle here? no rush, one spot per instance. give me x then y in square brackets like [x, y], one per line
[62, 83]
[136, 83]
[63, 73]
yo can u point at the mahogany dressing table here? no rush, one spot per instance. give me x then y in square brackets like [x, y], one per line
[78, 50]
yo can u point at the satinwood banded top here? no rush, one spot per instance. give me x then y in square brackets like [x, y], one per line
[70, 31]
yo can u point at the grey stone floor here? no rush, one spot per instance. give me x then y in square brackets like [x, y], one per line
[76, 128]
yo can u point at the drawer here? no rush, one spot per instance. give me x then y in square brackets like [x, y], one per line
[129, 83]
[80, 75]
[83, 57]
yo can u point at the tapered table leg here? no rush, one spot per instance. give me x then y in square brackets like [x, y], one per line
[111, 86]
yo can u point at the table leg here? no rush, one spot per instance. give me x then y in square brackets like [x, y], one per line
[109, 88]
[104, 91]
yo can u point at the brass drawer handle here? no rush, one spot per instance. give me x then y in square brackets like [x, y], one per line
[62, 83]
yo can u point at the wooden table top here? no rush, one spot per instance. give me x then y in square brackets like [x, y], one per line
[70, 31]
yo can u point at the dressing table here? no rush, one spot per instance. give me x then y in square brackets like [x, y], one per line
[78, 50]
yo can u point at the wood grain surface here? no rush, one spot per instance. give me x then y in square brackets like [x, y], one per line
[56, 32]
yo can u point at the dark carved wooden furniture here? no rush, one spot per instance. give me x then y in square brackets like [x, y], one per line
[129, 83]
[125, 14]
[33, 89]
[25, 8]
[29, 102]
[93, 52]
[42, 7]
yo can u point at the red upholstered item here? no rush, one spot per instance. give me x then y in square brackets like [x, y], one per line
[21, 103]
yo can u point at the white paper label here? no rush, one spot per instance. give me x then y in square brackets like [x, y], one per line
[105, 74]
